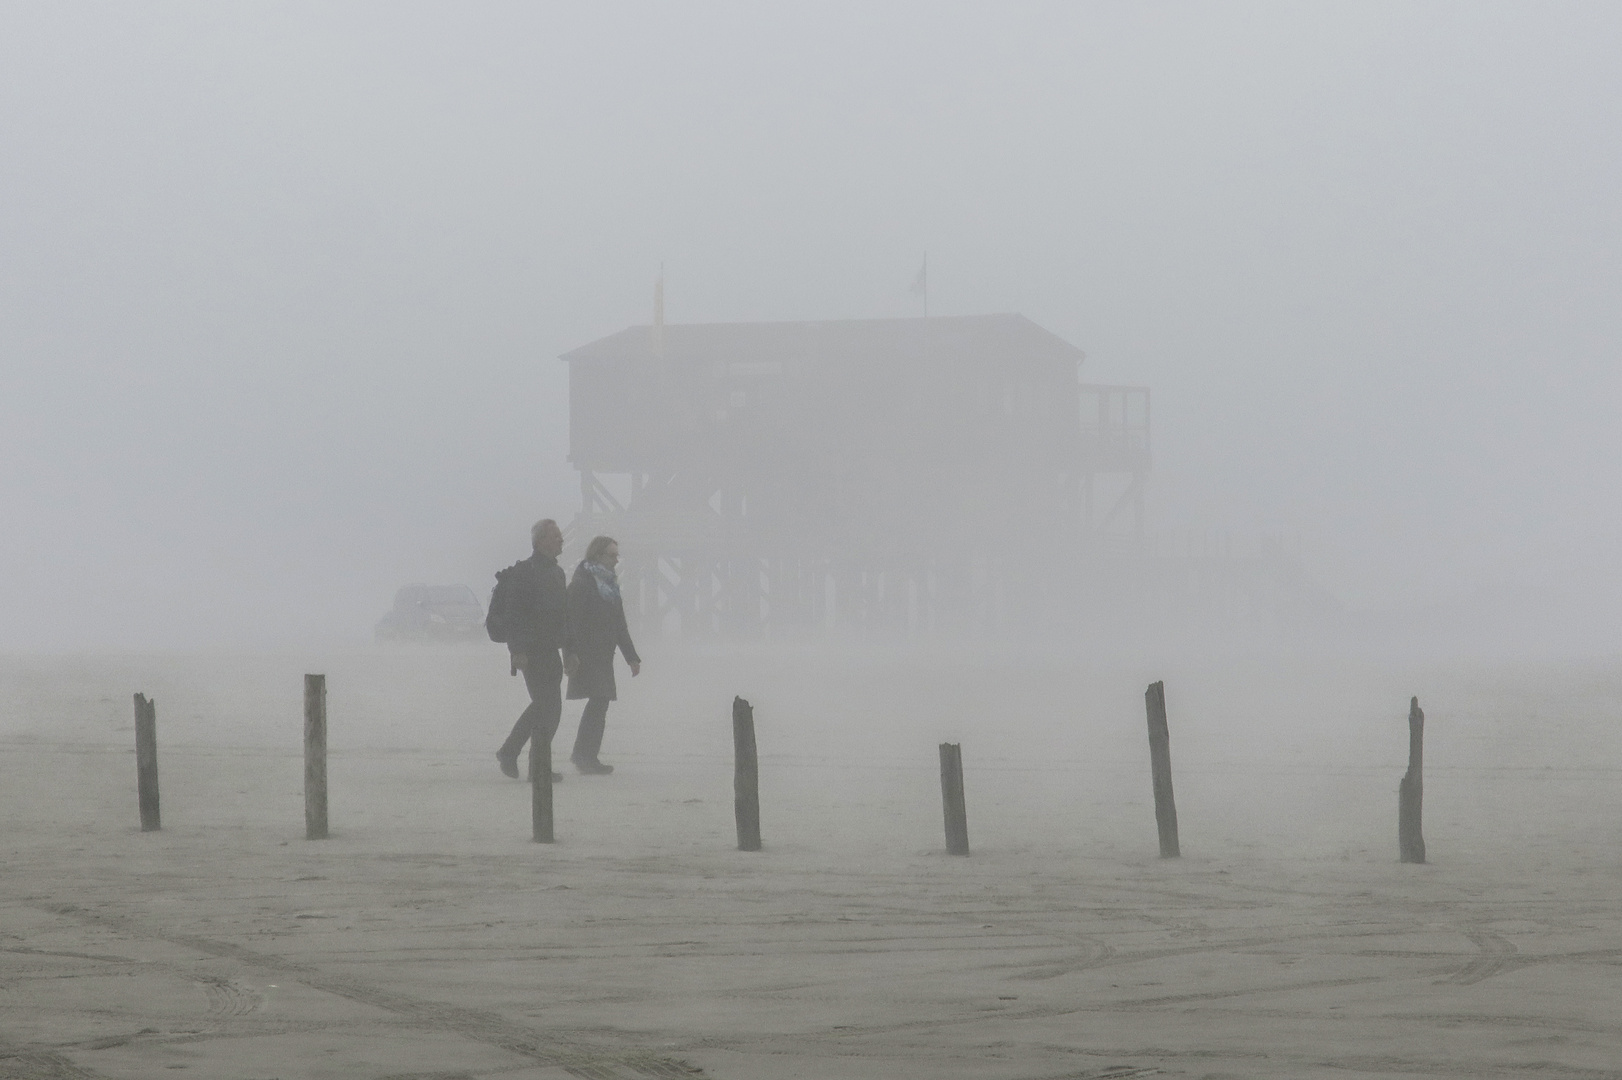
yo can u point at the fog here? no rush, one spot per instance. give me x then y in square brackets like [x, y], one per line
[282, 287]
[283, 295]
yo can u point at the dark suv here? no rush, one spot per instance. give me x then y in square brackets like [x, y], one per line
[433, 613]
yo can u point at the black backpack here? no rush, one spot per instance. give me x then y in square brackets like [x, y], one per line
[498, 619]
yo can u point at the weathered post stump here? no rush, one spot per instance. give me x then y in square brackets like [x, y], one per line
[1411, 792]
[952, 805]
[540, 789]
[745, 776]
[315, 757]
[146, 762]
[1160, 770]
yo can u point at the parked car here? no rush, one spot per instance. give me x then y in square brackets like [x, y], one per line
[433, 613]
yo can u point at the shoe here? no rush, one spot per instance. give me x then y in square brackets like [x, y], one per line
[509, 765]
[593, 768]
[557, 778]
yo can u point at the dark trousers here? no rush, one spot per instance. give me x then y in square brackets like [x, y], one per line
[543, 677]
[589, 739]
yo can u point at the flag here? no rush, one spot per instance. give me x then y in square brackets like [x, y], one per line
[920, 284]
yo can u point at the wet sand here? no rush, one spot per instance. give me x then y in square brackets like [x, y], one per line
[430, 938]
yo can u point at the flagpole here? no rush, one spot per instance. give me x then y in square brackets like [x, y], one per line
[920, 284]
[659, 314]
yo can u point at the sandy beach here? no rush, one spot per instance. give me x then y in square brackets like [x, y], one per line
[430, 938]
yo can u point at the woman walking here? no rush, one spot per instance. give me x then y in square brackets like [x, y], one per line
[597, 621]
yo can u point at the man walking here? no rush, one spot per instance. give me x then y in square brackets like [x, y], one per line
[530, 612]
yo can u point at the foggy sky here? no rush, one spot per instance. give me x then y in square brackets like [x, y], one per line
[282, 286]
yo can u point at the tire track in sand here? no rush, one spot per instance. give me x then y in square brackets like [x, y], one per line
[1497, 956]
[227, 997]
[574, 1056]
[28, 1063]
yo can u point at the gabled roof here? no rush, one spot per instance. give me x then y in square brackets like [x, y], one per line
[967, 337]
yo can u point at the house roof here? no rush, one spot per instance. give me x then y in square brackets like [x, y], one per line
[966, 337]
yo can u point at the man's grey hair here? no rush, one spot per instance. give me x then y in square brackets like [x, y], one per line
[539, 527]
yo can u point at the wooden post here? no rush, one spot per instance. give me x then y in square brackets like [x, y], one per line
[1160, 769]
[540, 789]
[146, 761]
[745, 775]
[957, 816]
[315, 757]
[1411, 792]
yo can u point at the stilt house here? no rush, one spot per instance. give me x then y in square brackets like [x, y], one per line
[884, 473]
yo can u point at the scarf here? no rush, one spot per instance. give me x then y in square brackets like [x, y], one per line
[608, 585]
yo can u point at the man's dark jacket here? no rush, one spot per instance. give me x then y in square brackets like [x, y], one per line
[537, 605]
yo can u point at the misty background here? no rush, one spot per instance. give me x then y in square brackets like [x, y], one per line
[282, 287]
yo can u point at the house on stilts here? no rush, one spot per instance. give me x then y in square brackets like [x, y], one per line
[879, 474]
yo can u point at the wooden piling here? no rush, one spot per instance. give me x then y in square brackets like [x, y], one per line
[745, 775]
[540, 789]
[146, 762]
[1411, 792]
[1160, 770]
[315, 757]
[952, 805]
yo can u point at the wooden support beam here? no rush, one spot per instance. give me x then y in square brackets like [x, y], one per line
[952, 804]
[146, 762]
[1411, 791]
[603, 497]
[315, 757]
[540, 788]
[1131, 496]
[746, 776]
[1160, 770]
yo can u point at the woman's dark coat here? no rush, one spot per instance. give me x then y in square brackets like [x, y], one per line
[598, 626]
